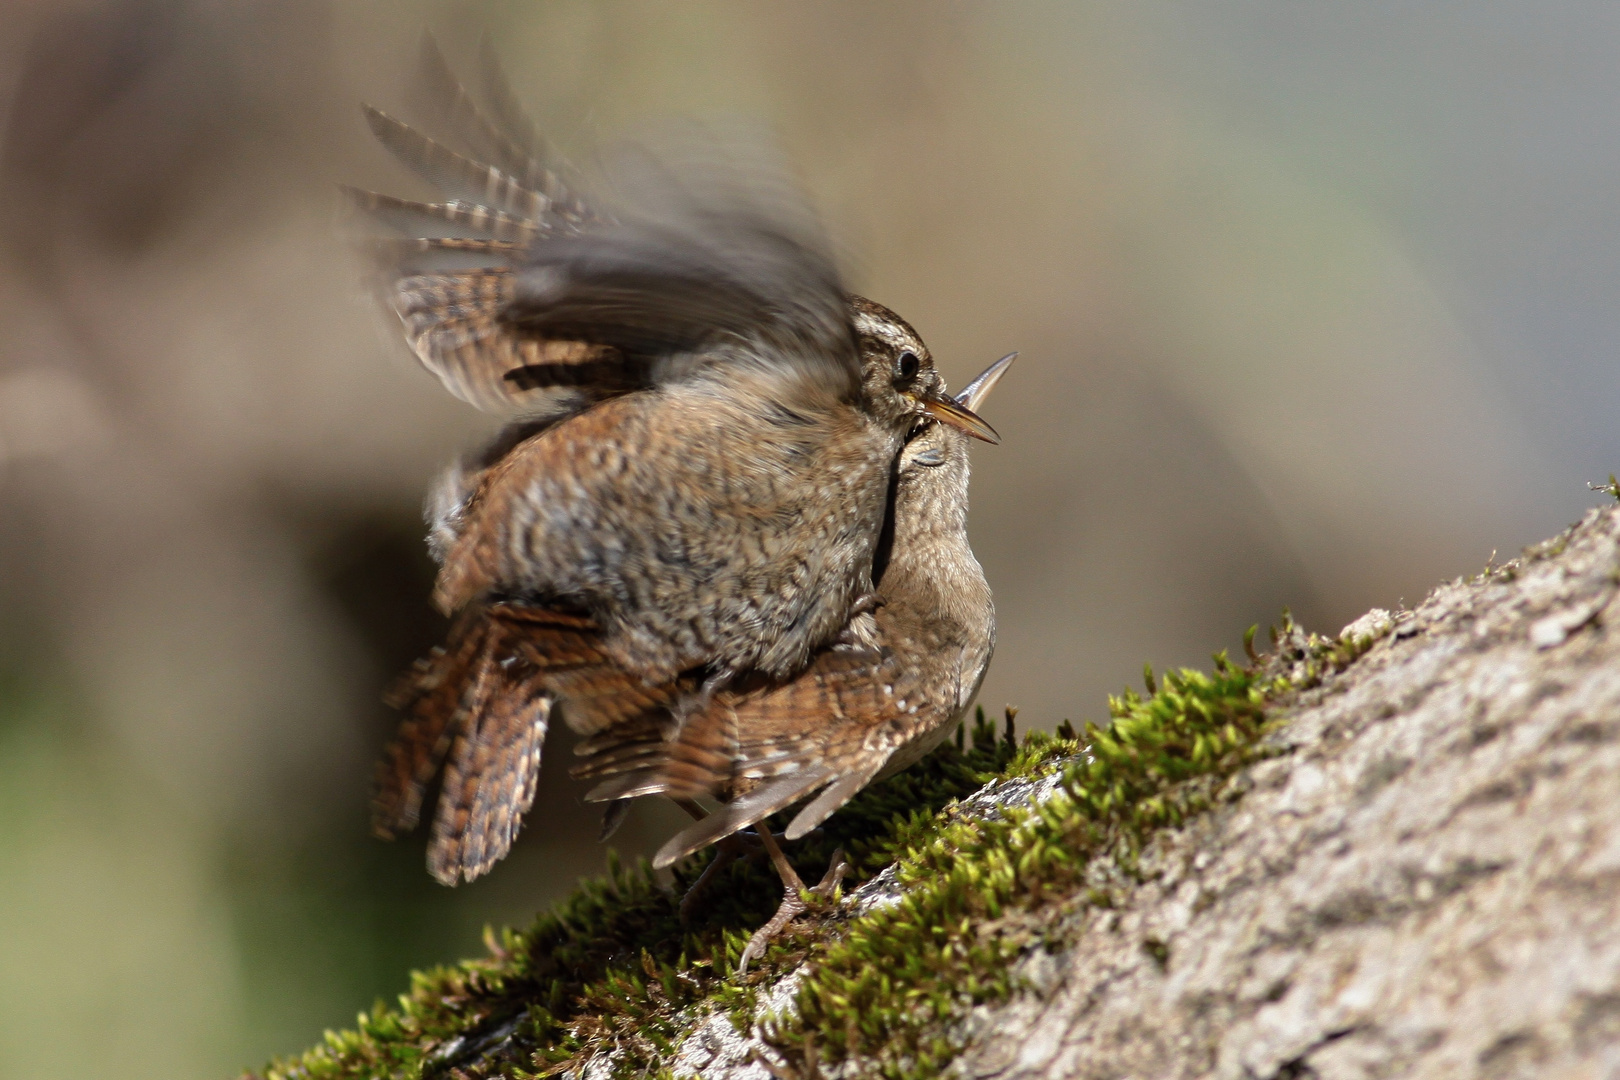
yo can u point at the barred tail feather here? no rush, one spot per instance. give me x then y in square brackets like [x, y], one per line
[461, 776]
[431, 697]
[511, 733]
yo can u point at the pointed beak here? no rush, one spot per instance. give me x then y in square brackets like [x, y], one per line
[958, 411]
[974, 393]
[948, 410]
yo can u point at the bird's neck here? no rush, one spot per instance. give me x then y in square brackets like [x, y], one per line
[932, 573]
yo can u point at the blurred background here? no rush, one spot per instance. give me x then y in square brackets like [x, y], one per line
[1317, 306]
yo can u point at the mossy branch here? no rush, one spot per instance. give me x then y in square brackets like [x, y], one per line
[967, 885]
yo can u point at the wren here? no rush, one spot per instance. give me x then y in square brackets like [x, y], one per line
[864, 708]
[859, 711]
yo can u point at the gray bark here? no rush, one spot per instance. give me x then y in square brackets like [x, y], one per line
[1425, 882]
[1428, 885]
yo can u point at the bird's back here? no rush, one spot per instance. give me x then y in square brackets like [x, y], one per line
[696, 523]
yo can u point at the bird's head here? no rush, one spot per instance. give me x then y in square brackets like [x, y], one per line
[901, 384]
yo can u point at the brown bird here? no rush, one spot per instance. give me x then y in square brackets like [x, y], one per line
[706, 437]
[858, 712]
[711, 422]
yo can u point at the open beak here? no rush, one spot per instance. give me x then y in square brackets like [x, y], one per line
[947, 410]
[974, 393]
[958, 411]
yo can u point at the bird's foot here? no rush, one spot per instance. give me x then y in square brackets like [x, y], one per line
[716, 682]
[796, 901]
[744, 845]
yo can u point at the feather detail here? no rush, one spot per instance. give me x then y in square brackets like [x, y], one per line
[447, 219]
[568, 650]
[520, 153]
[453, 322]
[488, 700]
[434, 254]
[840, 720]
[461, 775]
[455, 174]
[834, 797]
[627, 785]
[491, 774]
[709, 254]
[511, 733]
[430, 695]
[514, 122]
[741, 813]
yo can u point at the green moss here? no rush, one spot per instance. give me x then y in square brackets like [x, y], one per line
[614, 967]
[1612, 488]
[887, 990]
[1548, 549]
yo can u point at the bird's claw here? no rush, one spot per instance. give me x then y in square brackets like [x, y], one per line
[870, 600]
[859, 631]
[729, 849]
[794, 904]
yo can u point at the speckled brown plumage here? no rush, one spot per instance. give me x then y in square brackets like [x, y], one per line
[480, 708]
[857, 712]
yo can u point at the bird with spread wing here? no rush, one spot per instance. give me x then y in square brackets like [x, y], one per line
[710, 535]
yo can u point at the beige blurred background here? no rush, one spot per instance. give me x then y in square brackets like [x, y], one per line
[1317, 306]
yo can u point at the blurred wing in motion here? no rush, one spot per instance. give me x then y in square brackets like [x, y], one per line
[452, 277]
[521, 297]
[711, 245]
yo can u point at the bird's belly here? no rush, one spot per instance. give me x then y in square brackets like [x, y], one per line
[909, 753]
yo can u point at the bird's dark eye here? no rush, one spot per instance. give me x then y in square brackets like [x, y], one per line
[907, 366]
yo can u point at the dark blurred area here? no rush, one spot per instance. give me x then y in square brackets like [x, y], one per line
[1316, 305]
